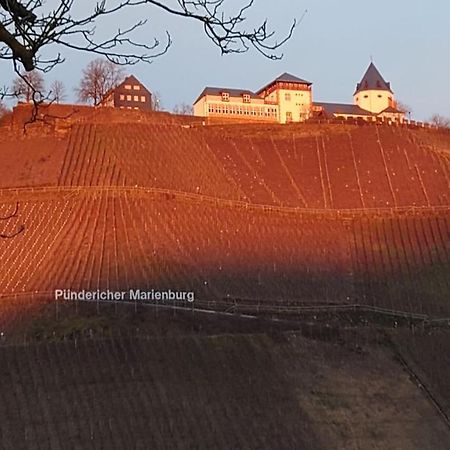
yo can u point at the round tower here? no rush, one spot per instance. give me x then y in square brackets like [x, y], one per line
[373, 93]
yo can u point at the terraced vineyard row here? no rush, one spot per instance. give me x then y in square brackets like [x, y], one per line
[404, 263]
[206, 393]
[366, 168]
[88, 160]
[163, 156]
[132, 376]
[120, 241]
[429, 355]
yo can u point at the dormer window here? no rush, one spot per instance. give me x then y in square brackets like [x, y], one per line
[225, 96]
[246, 98]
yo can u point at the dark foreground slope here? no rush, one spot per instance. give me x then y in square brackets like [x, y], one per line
[249, 392]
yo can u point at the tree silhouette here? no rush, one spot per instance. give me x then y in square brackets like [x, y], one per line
[28, 86]
[184, 109]
[57, 91]
[30, 27]
[99, 77]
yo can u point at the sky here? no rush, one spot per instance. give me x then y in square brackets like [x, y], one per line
[408, 40]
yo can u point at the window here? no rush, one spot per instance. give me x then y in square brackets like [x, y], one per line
[287, 96]
[225, 97]
[122, 97]
[136, 98]
[136, 87]
[246, 98]
[366, 96]
[128, 87]
[129, 98]
[143, 98]
[379, 95]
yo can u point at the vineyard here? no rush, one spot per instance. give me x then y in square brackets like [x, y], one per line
[321, 229]
[210, 392]
[119, 240]
[312, 215]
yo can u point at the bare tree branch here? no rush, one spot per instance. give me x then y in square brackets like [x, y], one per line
[11, 215]
[29, 26]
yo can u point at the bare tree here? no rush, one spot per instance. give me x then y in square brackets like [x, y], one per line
[57, 92]
[100, 76]
[184, 109]
[440, 121]
[403, 107]
[29, 86]
[30, 27]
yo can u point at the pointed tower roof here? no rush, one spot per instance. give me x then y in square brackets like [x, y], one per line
[372, 80]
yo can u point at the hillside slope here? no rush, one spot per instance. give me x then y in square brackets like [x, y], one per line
[279, 215]
[212, 392]
[307, 166]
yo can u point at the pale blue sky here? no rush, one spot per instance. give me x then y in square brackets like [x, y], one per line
[409, 41]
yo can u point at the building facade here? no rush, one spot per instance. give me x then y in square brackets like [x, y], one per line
[285, 99]
[130, 94]
[373, 100]
[289, 99]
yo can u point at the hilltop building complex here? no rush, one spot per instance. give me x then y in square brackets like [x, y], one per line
[289, 99]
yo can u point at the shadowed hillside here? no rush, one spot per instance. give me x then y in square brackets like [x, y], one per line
[212, 392]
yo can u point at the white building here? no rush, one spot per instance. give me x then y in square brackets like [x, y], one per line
[285, 99]
[289, 99]
[373, 100]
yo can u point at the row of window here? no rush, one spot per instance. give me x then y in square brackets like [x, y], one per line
[135, 87]
[379, 96]
[135, 98]
[257, 111]
[246, 98]
[288, 96]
